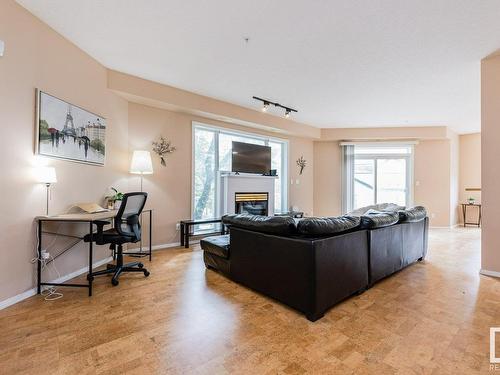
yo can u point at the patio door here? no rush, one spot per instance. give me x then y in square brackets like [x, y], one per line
[378, 175]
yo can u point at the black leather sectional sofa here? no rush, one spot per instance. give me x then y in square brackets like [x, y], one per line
[311, 264]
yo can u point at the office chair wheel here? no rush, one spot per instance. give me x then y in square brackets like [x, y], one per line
[115, 282]
[140, 265]
[146, 273]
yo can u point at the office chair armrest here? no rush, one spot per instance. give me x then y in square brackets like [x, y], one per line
[100, 229]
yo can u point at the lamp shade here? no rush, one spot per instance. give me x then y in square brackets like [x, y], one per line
[141, 163]
[46, 175]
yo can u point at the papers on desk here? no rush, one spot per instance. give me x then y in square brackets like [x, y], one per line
[91, 208]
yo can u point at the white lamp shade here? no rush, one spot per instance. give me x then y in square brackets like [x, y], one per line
[46, 175]
[141, 163]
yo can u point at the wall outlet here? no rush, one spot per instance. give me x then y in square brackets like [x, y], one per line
[297, 182]
[177, 226]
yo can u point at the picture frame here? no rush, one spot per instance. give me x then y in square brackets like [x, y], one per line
[68, 132]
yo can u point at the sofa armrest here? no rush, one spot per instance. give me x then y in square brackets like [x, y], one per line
[280, 267]
[341, 268]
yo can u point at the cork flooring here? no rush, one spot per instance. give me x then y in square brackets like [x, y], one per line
[431, 318]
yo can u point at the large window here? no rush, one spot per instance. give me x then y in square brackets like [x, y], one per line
[212, 154]
[374, 174]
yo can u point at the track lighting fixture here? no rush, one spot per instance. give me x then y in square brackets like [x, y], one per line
[266, 103]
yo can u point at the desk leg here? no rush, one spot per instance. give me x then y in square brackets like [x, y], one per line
[479, 218]
[464, 211]
[150, 234]
[186, 237]
[39, 260]
[90, 277]
[140, 241]
[182, 234]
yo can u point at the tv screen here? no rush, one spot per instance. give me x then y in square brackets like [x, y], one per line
[248, 158]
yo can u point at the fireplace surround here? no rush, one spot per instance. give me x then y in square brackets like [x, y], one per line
[251, 203]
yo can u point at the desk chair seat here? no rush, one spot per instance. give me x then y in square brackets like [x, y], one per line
[127, 229]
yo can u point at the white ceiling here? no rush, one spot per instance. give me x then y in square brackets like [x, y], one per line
[349, 63]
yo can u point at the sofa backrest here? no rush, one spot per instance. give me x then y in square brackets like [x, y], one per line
[324, 226]
[383, 207]
[313, 227]
[375, 219]
[412, 215]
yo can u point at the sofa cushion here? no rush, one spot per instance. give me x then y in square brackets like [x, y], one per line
[216, 245]
[412, 215]
[281, 225]
[382, 207]
[377, 219]
[321, 226]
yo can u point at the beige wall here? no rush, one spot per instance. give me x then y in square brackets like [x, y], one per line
[432, 180]
[490, 156]
[37, 57]
[454, 177]
[327, 179]
[169, 187]
[386, 133]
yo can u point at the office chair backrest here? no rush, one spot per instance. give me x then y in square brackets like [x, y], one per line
[127, 221]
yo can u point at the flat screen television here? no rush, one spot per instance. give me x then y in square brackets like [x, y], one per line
[248, 158]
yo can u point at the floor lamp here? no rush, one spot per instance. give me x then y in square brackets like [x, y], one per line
[47, 176]
[141, 165]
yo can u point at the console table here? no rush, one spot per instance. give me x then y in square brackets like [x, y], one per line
[464, 211]
[186, 232]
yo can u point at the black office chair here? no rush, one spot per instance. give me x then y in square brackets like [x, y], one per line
[127, 229]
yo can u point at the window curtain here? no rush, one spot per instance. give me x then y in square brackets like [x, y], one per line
[347, 177]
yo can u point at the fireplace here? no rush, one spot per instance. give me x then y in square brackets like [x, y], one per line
[251, 203]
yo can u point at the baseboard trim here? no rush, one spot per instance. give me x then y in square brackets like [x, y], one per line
[489, 273]
[31, 292]
[17, 298]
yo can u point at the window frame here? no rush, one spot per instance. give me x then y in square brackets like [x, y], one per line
[348, 192]
[217, 130]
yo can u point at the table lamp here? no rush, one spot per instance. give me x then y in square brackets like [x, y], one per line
[47, 176]
[141, 164]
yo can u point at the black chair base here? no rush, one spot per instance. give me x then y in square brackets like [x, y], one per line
[118, 268]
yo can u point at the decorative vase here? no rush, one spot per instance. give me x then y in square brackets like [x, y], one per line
[472, 201]
[118, 203]
[110, 205]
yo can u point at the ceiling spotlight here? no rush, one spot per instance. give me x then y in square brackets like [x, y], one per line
[266, 103]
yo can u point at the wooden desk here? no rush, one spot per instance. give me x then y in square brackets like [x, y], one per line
[464, 211]
[90, 219]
